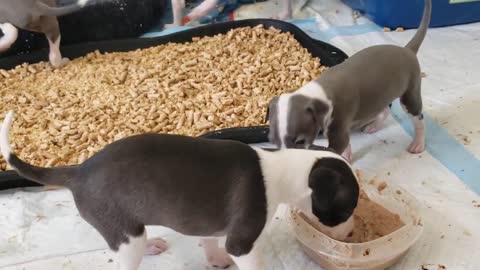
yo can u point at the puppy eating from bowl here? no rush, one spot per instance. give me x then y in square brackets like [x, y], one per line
[217, 190]
[354, 95]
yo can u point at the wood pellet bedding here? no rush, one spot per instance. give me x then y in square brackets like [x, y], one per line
[64, 116]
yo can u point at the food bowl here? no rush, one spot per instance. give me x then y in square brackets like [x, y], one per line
[378, 254]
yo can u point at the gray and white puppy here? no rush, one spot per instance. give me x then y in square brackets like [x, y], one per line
[38, 16]
[217, 190]
[354, 95]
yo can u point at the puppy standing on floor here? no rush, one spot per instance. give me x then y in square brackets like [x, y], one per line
[213, 189]
[354, 95]
[207, 6]
[38, 16]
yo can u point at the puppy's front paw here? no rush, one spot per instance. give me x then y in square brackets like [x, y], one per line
[220, 259]
[60, 63]
[156, 246]
[416, 147]
[347, 154]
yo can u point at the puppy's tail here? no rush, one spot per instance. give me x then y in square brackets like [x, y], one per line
[417, 40]
[10, 35]
[45, 176]
[46, 10]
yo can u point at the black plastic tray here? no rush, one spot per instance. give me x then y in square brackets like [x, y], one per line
[328, 54]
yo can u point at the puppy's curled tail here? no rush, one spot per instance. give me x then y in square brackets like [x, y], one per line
[417, 40]
[45, 176]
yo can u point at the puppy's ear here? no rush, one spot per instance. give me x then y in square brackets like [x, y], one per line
[334, 188]
[317, 109]
[325, 182]
[271, 108]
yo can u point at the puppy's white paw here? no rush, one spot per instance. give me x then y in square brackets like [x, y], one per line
[60, 63]
[372, 128]
[156, 246]
[220, 259]
[377, 124]
[347, 154]
[417, 146]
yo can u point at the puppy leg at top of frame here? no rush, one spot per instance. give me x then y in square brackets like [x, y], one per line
[286, 12]
[201, 10]
[129, 255]
[49, 26]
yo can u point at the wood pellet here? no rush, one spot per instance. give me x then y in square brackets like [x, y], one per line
[64, 116]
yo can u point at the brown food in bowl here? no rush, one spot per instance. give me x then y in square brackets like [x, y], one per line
[372, 221]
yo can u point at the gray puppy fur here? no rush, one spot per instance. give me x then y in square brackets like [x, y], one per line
[38, 16]
[354, 95]
[212, 189]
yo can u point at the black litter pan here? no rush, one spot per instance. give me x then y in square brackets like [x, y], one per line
[329, 55]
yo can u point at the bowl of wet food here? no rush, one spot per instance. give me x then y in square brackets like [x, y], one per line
[387, 225]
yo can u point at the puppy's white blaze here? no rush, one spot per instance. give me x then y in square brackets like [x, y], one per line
[283, 110]
[82, 3]
[129, 255]
[4, 136]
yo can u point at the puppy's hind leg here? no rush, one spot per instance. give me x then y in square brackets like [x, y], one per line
[377, 124]
[412, 104]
